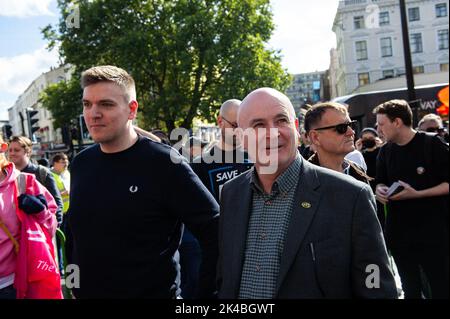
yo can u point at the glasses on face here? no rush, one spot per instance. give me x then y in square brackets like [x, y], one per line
[340, 128]
[233, 125]
[434, 129]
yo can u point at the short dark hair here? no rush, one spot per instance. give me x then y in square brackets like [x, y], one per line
[396, 109]
[43, 162]
[58, 157]
[315, 113]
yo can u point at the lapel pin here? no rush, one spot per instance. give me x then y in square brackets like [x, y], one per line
[306, 205]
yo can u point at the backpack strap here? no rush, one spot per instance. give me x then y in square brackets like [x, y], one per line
[42, 174]
[20, 186]
[10, 236]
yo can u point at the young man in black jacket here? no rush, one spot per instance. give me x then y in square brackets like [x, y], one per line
[129, 198]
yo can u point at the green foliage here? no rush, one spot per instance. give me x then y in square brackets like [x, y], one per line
[63, 99]
[186, 56]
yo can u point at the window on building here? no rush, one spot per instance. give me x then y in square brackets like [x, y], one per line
[386, 47]
[418, 69]
[444, 67]
[388, 74]
[361, 50]
[441, 10]
[416, 43]
[443, 39]
[363, 78]
[414, 14]
[384, 18]
[358, 22]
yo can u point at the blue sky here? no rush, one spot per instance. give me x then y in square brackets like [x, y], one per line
[23, 57]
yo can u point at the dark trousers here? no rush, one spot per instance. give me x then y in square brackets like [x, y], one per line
[190, 260]
[423, 260]
[8, 293]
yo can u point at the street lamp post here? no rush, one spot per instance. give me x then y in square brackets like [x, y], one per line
[408, 62]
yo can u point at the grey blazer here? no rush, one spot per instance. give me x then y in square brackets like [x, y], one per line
[341, 226]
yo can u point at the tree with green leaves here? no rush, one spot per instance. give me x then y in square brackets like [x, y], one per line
[186, 56]
[63, 99]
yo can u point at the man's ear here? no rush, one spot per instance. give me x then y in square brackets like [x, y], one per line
[133, 105]
[313, 137]
[219, 121]
[398, 122]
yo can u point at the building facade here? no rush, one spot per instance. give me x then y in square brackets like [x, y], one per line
[370, 47]
[46, 136]
[307, 88]
[29, 99]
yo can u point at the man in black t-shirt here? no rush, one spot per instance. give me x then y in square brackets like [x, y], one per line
[130, 197]
[226, 159]
[219, 164]
[417, 219]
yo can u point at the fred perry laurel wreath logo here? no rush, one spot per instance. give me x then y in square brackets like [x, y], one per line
[420, 170]
[133, 189]
[306, 205]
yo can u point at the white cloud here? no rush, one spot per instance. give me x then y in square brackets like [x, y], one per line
[3, 110]
[19, 71]
[303, 33]
[24, 8]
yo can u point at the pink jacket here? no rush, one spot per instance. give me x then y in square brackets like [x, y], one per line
[9, 216]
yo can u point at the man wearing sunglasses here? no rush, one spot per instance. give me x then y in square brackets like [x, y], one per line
[226, 159]
[332, 133]
[432, 123]
[217, 165]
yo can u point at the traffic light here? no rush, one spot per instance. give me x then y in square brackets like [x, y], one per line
[32, 122]
[7, 131]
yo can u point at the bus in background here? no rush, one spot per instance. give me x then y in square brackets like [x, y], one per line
[360, 105]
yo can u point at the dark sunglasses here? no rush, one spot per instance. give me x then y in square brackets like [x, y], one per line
[233, 125]
[434, 129]
[340, 128]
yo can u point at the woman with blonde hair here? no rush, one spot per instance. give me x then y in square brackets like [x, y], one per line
[37, 204]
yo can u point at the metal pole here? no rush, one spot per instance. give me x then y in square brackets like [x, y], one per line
[408, 62]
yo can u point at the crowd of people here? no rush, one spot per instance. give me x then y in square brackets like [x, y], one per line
[273, 209]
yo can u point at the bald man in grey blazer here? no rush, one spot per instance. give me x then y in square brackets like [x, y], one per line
[290, 229]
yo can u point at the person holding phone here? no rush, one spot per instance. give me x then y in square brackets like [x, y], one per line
[417, 219]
